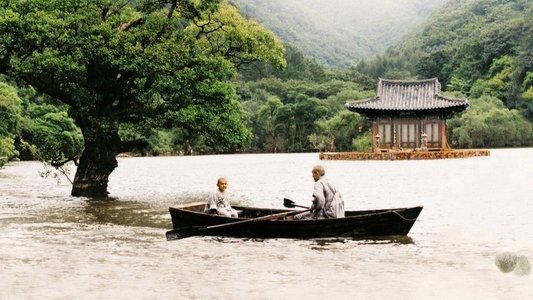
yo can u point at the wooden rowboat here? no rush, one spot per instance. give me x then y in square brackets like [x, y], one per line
[190, 220]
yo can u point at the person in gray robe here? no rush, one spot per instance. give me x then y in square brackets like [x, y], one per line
[217, 203]
[327, 200]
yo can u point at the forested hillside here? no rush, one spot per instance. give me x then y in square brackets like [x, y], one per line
[475, 47]
[480, 49]
[338, 33]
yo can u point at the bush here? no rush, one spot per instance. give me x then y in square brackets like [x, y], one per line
[363, 143]
[488, 123]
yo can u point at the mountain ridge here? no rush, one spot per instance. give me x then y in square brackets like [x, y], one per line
[339, 33]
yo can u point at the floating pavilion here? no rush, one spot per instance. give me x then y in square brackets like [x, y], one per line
[408, 122]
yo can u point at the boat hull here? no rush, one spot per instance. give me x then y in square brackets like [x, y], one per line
[356, 224]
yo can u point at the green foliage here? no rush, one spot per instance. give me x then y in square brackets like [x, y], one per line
[268, 127]
[320, 142]
[462, 40]
[124, 66]
[476, 47]
[118, 67]
[10, 114]
[488, 123]
[303, 115]
[500, 74]
[162, 142]
[297, 67]
[47, 133]
[363, 143]
[162, 78]
[341, 129]
[286, 126]
[226, 33]
[31, 128]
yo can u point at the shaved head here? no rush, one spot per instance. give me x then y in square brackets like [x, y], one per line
[319, 169]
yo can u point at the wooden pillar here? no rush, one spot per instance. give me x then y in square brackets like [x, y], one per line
[444, 141]
[374, 133]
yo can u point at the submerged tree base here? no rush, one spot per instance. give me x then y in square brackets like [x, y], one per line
[89, 189]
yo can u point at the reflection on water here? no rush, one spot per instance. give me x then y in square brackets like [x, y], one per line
[54, 246]
[377, 240]
[131, 213]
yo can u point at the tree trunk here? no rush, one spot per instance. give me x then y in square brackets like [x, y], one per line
[97, 162]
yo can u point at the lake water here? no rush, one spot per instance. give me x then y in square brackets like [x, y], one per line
[53, 246]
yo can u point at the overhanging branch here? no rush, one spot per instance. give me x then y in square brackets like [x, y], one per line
[49, 89]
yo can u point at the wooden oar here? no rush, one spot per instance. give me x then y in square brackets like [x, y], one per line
[290, 204]
[186, 232]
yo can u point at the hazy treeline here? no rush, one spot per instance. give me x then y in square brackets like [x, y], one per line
[339, 33]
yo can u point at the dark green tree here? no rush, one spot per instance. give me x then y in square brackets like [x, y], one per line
[269, 132]
[488, 123]
[123, 63]
[339, 131]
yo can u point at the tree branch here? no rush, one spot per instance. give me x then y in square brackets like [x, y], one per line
[203, 27]
[56, 163]
[49, 89]
[130, 24]
[172, 8]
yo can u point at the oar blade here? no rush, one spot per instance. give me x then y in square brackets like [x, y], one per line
[288, 203]
[185, 232]
[172, 235]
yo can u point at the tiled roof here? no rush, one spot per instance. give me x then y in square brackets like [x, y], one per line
[408, 96]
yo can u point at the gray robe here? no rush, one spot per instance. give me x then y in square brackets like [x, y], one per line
[327, 201]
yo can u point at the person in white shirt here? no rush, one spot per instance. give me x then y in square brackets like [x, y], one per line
[217, 203]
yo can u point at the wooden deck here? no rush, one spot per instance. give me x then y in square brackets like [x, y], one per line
[404, 155]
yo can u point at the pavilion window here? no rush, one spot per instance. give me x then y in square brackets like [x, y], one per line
[408, 135]
[433, 134]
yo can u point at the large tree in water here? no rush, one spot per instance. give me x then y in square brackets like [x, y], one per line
[134, 64]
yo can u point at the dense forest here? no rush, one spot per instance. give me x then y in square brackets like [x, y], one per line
[478, 49]
[244, 89]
